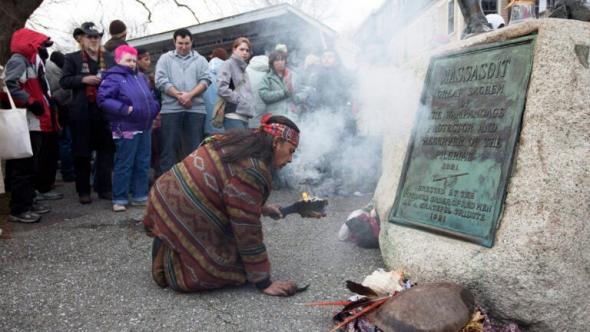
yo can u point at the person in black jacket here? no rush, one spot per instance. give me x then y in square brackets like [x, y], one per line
[90, 130]
[63, 99]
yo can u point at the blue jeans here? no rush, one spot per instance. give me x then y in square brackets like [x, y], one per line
[132, 168]
[65, 154]
[233, 123]
[179, 128]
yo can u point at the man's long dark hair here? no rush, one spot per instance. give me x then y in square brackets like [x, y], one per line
[247, 143]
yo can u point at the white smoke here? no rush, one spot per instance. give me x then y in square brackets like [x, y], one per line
[388, 98]
[332, 158]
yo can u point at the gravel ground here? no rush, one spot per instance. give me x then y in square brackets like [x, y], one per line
[86, 268]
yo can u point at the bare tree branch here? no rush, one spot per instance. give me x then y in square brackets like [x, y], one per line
[101, 20]
[149, 19]
[320, 10]
[35, 25]
[189, 8]
[14, 16]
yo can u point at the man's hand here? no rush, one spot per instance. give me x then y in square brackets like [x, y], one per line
[281, 288]
[272, 210]
[130, 109]
[91, 80]
[185, 99]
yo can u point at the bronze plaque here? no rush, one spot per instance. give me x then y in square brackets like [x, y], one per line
[460, 155]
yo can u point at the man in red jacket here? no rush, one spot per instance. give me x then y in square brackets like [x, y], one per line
[25, 79]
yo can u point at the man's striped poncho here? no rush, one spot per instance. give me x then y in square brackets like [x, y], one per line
[205, 215]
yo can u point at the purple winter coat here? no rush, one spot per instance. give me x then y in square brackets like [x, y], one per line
[120, 88]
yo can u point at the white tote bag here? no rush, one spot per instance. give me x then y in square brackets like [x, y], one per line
[15, 142]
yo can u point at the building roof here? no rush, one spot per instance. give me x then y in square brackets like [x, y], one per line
[256, 24]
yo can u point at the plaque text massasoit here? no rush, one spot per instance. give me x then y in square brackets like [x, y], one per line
[459, 158]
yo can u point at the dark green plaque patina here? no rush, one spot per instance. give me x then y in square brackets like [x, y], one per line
[459, 158]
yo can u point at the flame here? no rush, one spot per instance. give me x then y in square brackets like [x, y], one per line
[305, 196]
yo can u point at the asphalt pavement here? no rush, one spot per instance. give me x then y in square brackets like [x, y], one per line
[86, 268]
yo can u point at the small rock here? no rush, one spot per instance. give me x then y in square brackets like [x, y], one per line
[437, 307]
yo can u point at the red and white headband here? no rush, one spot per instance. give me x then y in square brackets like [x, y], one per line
[279, 130]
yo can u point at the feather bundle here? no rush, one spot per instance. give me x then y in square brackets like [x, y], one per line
[385, 283]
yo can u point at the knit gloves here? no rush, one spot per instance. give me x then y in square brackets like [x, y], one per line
[35, 107]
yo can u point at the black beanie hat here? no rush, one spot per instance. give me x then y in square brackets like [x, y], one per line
[117, 27]
[141, 51]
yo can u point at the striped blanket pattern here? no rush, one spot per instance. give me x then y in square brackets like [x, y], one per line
[205, 215]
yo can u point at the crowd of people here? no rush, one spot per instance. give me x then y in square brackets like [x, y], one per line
[114, 126]
[111, 123]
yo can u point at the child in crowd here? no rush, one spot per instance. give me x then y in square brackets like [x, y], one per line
[125, 96]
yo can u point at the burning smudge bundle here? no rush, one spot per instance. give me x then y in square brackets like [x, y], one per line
[308, 207]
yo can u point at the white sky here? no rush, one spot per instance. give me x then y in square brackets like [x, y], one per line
[58, 18]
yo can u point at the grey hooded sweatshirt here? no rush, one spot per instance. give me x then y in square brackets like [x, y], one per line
[239, 95]
[184, 73]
